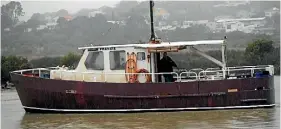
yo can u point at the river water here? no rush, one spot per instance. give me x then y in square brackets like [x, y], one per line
[14, 117]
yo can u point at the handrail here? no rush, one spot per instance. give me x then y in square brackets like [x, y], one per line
[208, 69]
[230, 70]
[196, 69]
[189, 75]
[197, 74]
[24, 70]
[257, 66]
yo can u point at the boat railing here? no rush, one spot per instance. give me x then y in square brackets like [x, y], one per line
[211, 69]
[196, 70]
[231, 72]
[39, 72]
[35, 69]
[208, 74]
[188, 76]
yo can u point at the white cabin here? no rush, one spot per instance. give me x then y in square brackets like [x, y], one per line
[117, 63]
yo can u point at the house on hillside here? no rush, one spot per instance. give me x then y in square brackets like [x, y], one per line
[67, 17]
[176, 24]
[246, 25]
[232, 3]
[7, 29]
[215, 27]
[51, 22]
[244, 14]
[162, 23]
[265, 30]
[271, 12]
[187, 24]
[120, 23]
[94, 13]
[223, 17]
[41, 27]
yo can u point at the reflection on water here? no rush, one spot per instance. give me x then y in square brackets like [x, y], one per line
[13, 116]
[254, 118]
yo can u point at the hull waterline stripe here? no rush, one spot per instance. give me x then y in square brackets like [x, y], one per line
[152, 109]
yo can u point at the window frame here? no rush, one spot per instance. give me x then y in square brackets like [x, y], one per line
[90, 52]
[142, 56]
[114, 60]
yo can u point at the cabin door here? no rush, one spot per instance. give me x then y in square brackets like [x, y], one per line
[142, 64]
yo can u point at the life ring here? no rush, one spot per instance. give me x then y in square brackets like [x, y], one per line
[148, 76]
[130, 68]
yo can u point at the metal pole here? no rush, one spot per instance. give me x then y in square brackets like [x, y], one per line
[223, 58]
[156, 56]
[152, 38]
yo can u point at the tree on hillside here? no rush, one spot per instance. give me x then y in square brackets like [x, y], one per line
[83, 12]
[34, 21]
[125, 6]
[11, 63]
[10, 14]
[62, 13]
[20, 28]
[45, 62]
[256, 51]
[100, 18]
[276, 22]
[61, 22]
[70, 60]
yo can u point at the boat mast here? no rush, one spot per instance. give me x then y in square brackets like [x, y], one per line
[152, 38]
[155, 56]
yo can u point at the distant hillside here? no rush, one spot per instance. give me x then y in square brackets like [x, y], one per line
[56, 33]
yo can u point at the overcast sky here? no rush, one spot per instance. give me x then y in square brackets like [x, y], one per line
[30, 7]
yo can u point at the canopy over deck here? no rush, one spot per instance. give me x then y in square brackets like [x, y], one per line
[162, 44]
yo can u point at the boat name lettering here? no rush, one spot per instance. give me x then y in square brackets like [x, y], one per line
[107, 48]
[70, 91]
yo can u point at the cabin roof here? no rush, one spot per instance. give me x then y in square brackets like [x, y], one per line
[162, 44]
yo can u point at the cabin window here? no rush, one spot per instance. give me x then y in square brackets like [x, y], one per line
[141, 56]
[95, 61]
[228, 26]
[117, 60]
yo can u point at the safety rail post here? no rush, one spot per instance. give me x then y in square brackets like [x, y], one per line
[252, 72]
[39, 72]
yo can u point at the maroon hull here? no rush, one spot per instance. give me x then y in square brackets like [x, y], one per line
[48, 95]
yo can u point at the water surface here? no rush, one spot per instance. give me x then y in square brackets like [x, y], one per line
[14, 117]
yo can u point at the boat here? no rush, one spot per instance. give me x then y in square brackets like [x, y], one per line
[126, 78]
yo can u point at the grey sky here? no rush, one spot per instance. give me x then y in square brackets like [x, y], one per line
[30, 7]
